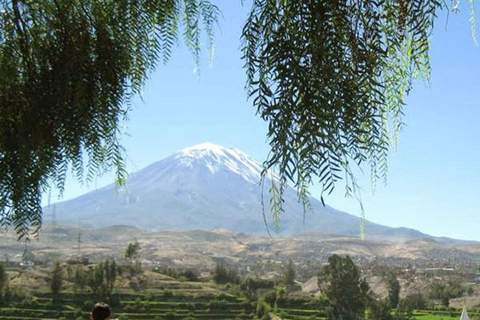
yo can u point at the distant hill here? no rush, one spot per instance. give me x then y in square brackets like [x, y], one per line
[207, 187]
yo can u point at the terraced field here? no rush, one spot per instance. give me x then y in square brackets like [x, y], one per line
[162, 298]
[177, 307]
[141, 306]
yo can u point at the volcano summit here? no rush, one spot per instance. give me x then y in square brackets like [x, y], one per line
[206, 187]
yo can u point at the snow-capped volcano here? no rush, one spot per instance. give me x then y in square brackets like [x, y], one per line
[217, 158]
[205, 187]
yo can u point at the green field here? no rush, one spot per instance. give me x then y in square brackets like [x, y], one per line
[143, 307]
[161, 298]
[140, 306]
[180, 306]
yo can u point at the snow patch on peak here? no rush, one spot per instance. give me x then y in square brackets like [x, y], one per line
[204, 146]
[217, 158]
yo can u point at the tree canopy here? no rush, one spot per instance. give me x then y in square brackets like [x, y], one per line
[69, 70]
[393, 287]
[329, 77]
[131, 253]
[57, 279]
[346, 290]
[289, 273]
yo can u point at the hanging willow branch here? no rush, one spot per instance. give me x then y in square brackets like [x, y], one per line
[69, 69]
[330, 78]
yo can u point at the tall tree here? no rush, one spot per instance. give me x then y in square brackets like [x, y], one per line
[3, 277]
[223, 274]
[289, 273]
[69, 71]
[346, 290]
[379, 310]
[110, 267]
[57, 279]
[79, 279]
[96, 280]
[131, 253]
[393, 290]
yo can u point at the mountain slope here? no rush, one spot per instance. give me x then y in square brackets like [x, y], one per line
[206, 187]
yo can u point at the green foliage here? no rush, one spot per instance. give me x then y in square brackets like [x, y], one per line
[270, 297]
[470, 290]
[404, 310]
[79, 280]
[110, 267]
[253, 284]
[330, 78]
[393, 290]
[96, 279]
[169, 316]
[131, 253]
[289, 273]
[3, 278]
[57, 279]
[218, 304]
[138, 283]
[188, 274]
[319, 302]
[135, 269]
[379, 310]
[263, 309]
[413, 301]
[223, 274]
[346, 290]
[69, 71]
[167, 293]
[235, 290]
[101, 278]
[191, 274]
[444, 292]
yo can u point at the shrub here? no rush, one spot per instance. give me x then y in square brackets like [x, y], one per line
[167, 293]
[78, 314]
[149, 296]
[190, 316]
[191, 275]
[129, 308]
[270, 296]
[223, 275]
[263, 309]
[380, 310]
[251, 285]
[190, 306]
[218, 304]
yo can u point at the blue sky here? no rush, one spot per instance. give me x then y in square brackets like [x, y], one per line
[434, 176]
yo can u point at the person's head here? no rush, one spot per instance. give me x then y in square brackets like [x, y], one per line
[101, 311]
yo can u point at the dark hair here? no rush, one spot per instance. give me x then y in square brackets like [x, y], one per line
[101, 311]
